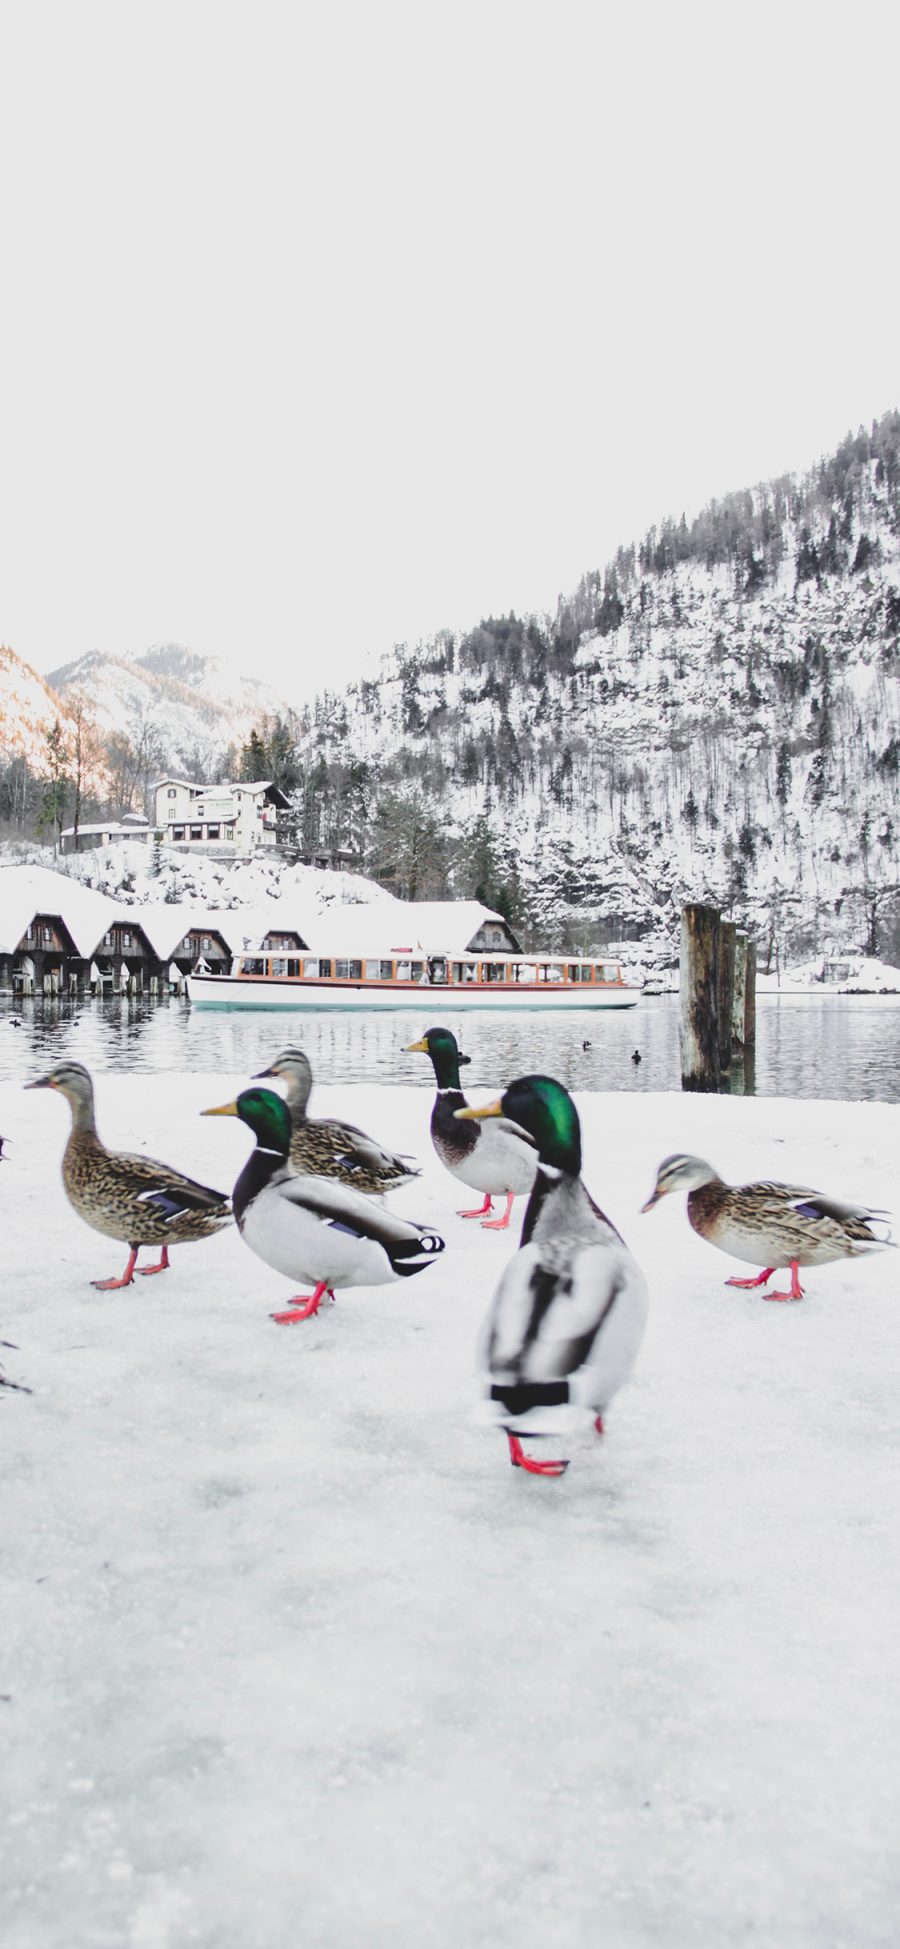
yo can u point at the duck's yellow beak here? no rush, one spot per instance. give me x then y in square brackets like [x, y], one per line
[488, 1110]
[417, 1048]
[222, 1110]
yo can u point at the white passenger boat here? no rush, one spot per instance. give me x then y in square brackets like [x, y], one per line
[279, 980]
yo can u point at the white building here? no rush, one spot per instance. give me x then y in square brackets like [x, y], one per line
[105, 833]
[237, 820]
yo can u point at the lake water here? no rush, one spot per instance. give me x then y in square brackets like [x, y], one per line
[819, 1046]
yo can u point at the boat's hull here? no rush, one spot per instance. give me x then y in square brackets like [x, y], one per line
[243, 991]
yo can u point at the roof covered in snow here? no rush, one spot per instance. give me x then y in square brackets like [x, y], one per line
[381, 926]
[29, 890]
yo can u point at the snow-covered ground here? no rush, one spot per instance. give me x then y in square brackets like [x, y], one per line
[293, 1657]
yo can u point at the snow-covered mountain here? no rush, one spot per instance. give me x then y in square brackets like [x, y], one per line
[28, 710]
[717, 714]
[195, 706]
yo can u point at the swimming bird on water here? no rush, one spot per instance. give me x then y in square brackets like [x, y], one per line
[329, 1148]
[769, 1224]
[311, 1229]
[637, 1056]
[123, 1194]
[568, 1316]
[493, 1161]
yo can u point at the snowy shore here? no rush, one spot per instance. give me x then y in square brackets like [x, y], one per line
[293, 1657]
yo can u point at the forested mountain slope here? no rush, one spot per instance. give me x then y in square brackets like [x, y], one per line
[718, 713]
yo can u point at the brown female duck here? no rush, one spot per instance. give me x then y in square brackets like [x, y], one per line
[122, 1194]
[769, 1224]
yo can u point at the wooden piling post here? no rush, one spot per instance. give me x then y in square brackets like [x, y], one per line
[727, 950]
[739, 995]
[699, 992]
[750, 998]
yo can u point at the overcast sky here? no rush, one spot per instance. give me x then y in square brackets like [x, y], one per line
[325, 327]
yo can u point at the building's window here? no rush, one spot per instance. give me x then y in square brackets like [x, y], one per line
[196, 832]
[172, 793]
[199, 811]
[212, 832]
[229, 832]
[177, 832]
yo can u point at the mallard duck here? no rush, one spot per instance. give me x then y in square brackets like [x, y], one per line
[770, 1225]
[308, 1228]
[122, 1194]
[329, 1148]
[495, 1161]
[568, 1315]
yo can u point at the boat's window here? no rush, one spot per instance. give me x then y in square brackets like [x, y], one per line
[251, 965]
[572, 973]
[279, 966]
[387, 971]
[326, 968]
[403, 968]
[415, 970]
[294, 967]
[456, 971]
[348, 970]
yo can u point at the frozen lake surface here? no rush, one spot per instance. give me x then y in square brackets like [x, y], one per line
[291, 1656]
[836, 1046]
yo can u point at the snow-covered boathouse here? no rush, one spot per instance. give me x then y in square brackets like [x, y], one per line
[50, 927]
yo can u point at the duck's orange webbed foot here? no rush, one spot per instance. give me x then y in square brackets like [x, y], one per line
[500, 1224]
[113, 1285]
[307, 1310]
[147, 1271]
[748, 1284]
[520, 1460]
[487, 1206]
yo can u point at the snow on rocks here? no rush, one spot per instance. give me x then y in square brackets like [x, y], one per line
[292, 1654]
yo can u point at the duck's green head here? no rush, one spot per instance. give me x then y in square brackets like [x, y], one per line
[266, 1114]
[441, 1045]
[545, 1113]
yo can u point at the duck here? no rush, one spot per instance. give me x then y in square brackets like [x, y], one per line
[498, 1162]
[329, 1148]
[636, 1057]
[124, 1195]
[566, 1322]
[310, 1228]
[768, 1224]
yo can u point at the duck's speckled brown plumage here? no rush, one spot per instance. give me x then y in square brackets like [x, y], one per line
[326, 1147]
[120, 1193]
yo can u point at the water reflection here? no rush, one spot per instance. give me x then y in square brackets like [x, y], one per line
[835, 1046]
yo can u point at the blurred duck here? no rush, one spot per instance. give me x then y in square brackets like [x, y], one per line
[568, 1315]
[497, 1161]
[326, 1147]
[309, 1229]
[123, 1194]
[769, 1225]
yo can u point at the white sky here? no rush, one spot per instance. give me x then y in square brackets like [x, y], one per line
[325, 327]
